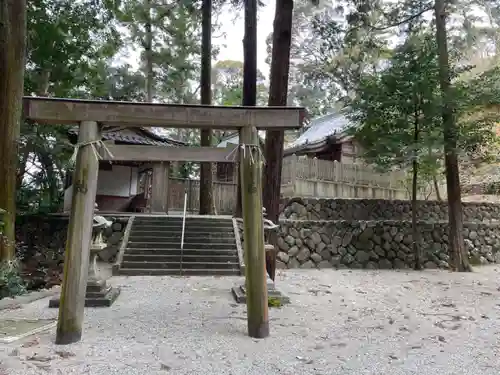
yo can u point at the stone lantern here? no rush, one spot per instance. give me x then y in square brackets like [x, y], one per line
[239, 292]
[98, 293]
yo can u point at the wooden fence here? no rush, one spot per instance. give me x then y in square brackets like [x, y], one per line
[224, 195]
[305, 177]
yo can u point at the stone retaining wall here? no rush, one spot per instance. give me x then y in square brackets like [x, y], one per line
[40, 245]
[380, 209]
[378, 244]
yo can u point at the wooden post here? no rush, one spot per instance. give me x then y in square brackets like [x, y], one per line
[159, 189]
[255, 257]
[166, 183]
[76, 259]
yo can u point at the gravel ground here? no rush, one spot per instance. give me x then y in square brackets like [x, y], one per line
[340, 322]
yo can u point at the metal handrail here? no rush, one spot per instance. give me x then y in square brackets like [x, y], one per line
[183, 221]
[183, 229]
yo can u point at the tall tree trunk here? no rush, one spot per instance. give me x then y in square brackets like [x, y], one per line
[148, 51]
[249, 79]
[278, 90]
[458, 254]
[436, 188]
[434, 179]
[206, 187]
[414, 202]
[12, 45]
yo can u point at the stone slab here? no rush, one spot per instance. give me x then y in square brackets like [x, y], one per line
[16, 302]
[240, 296]
[12, 330]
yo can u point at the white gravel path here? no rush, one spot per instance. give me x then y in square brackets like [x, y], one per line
[339, 322]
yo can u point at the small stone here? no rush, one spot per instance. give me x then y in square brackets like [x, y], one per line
[280, 265]
[284, 257]
[430, 265]
[303, 254]
[108, 254]
[326, 255]
[165, 367]
[308, 264]
[115, 238]
[384, 264]
[294, 250]
[117, 227]
[362, 256]
[316, 238]
[336, 260]
[347, 259]
[398, 263]
[316, 257]
[290, 240]
[324, 264]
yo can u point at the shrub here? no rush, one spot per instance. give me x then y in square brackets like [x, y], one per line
[11, 282]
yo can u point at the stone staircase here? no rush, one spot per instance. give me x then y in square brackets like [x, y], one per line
[154, 247]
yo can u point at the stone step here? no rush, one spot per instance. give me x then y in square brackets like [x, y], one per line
[178, 234]
[179, 218]
[158, 244]
[178, 229]
[178, 272]
[177, 239]
[213, 258]
[188, 222]
[189, 251]
[177, 265]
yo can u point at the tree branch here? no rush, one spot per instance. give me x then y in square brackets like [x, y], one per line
[406, 20]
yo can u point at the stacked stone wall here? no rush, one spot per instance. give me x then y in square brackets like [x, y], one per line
[40, 246]
[380, 209]
[377, 233]
[378, 244]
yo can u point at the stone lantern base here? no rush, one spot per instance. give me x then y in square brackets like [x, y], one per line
[240, 295]
[98, 293]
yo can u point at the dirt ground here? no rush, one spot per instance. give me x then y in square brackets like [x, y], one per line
[340, 322]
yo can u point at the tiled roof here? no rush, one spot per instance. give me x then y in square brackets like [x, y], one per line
[134, 136]
[322, 128]
[322, 131]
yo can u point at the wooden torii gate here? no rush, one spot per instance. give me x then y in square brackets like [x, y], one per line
[91, 115]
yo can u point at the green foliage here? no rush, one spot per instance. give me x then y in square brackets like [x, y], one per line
[390, 103]
[493, 188]
[274, 302]
[76, 49]
[227, 77]
[11, 282]
[389, 106]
